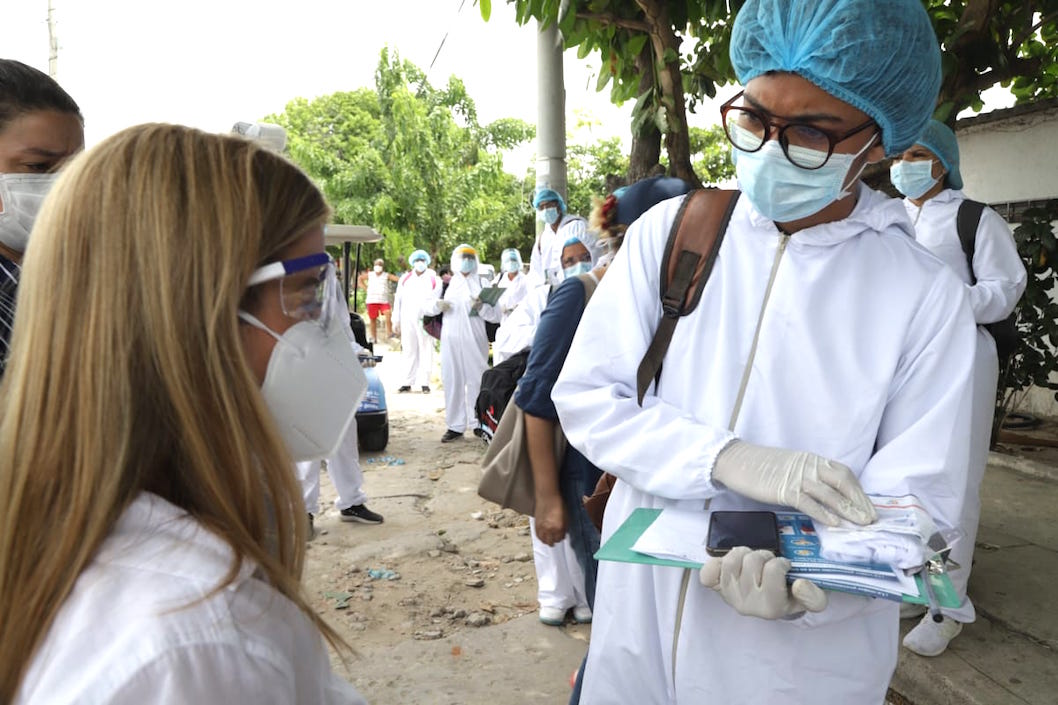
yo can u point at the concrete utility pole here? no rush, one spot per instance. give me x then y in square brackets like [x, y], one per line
[53, 43]
[550, 110]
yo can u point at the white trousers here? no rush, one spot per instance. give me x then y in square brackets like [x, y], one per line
[559, 577]
[344, 469]
[417, 347]
[986, 378]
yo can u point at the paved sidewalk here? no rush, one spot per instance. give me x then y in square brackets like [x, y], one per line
[1009, 656]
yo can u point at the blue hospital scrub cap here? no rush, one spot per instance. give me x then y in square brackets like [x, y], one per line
[879, 56]
[546, 194]
[419, 254]
[939, 139]
[590, 240]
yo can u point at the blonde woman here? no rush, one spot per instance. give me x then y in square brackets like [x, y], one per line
[152, 530]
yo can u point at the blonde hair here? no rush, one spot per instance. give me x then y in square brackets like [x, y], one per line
[131, 375]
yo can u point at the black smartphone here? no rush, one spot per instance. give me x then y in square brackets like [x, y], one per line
[754, 529]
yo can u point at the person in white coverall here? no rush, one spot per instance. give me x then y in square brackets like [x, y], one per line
[516, 283]
[343, 466]
[928, 176]
[559, 226]
[464, 344]
[559, 572]
[416, 290]
[829, 356]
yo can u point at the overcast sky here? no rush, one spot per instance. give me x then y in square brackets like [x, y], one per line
[210, 63]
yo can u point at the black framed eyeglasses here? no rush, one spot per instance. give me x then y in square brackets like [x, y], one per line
[806, 146]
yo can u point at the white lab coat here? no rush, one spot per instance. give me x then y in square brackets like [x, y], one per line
[415, 292]
[545, 262]
[1001, 280]
[864, 355]
[516, 291]
[517, 331]
[144, 624]
[464, 350]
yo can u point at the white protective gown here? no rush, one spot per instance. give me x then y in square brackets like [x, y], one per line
[517, 331]
[864, 355]
[464, 350]
[516, 291]
[545, 262]
[415, 292]
[1001, 280]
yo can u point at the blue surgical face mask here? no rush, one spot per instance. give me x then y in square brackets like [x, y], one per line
[576, 270]
[511, 266]
[912, 178]
[468, 265]
[783, 192]
[550, 215]
[420, 266]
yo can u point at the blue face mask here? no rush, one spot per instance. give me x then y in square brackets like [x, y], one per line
[468, 265]
[420, 266]
[783, 192]
[576, 270]
[912, 178]
[550, 215]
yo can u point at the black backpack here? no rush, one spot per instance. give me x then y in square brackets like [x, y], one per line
[497, 386]
[1004, 332]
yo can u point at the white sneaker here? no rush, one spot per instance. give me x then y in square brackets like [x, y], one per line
[909, 610]
[552, 616]
[931, 638]
[582, 614]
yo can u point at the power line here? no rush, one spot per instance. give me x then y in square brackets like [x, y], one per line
[441, 46]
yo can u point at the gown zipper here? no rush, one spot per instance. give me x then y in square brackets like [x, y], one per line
[784, 238]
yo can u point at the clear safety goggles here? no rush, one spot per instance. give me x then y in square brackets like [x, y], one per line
[307, 286]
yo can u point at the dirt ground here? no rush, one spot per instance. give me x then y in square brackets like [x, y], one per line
[446, 582]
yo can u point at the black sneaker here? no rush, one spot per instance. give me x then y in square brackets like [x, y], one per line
[403, 389]
[312, 527]
[450, 435]
[425, 389]
[360, 513]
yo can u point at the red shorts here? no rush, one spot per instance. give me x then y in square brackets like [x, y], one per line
[374, 310]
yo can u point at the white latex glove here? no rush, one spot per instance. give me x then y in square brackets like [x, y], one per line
[754, 583]
[475, 303]
[396, 329]
[823, 489]
[443, 306]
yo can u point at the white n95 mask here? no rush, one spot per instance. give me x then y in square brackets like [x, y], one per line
[20, 198]
[313, 386]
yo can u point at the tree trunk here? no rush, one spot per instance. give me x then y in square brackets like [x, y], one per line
[646, 147]
[677, 140]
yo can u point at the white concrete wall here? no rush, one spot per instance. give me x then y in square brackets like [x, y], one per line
[1014, 159]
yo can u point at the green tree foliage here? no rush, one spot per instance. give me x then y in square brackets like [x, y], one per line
[1035, 359]
[670, 54]
[710, 145]
[412, 161]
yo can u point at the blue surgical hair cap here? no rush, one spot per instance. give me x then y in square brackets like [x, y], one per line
[511, 254]
[546, 194]
[590, 240]
[881, 57]
[419, 254]
[939, 139]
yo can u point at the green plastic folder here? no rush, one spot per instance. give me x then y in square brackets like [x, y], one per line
[619, 548]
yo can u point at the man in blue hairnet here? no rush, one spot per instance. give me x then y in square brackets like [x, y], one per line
[829, 357]
[927, 173]
[559, 226]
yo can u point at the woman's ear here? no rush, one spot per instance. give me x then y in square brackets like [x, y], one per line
[877, 152]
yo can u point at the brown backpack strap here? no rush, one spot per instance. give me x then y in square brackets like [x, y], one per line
[694, 241]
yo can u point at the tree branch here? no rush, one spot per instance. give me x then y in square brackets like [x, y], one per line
[1032, 30]
[608, 18]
